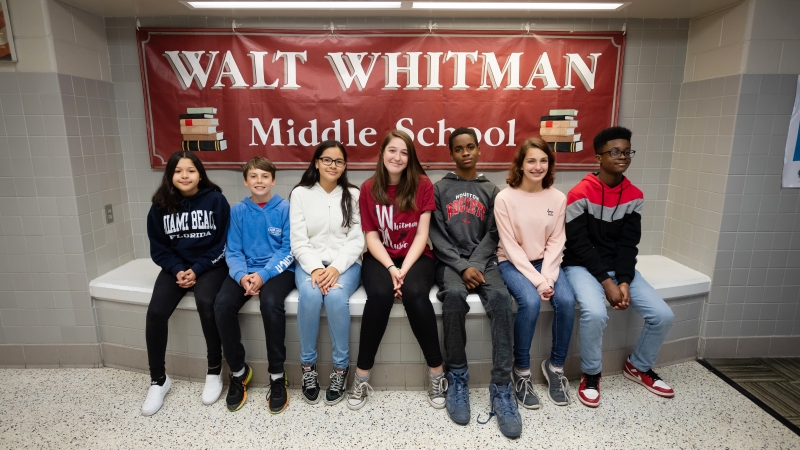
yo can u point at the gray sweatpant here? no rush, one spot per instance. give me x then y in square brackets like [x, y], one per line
[496, 301]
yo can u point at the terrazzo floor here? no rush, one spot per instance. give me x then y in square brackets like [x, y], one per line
[99, 408]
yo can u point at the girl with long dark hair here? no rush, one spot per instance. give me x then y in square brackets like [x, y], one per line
[187, 226]
[327, 242]
[396, 205]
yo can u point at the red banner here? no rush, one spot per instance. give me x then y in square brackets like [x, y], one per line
[279, 93]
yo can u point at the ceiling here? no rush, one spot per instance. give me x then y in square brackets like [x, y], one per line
[651, 9]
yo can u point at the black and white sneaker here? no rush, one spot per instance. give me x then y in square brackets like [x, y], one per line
[310, 386]
[338, 387]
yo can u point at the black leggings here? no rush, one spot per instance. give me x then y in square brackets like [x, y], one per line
[416, 299]
[166, 296]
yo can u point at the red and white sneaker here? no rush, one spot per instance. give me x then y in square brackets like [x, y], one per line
[589, 390]
[650, 380]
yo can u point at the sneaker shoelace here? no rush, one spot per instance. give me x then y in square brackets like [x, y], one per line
[460, 389]
[653, 375]
[592, 382]
[506, 405]
[309, 379]
[564, 382]
[337, 381]
[524, 382]
[277, 388]
[360, 389]
[438, 385]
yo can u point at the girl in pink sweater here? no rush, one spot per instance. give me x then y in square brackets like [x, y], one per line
[530, 219]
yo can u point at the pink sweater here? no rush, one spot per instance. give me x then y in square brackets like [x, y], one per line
[531, 227]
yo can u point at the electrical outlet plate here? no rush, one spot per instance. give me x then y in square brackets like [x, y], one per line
[109, 214]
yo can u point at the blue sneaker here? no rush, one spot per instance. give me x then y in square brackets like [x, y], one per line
[458, 396]
[504, 407]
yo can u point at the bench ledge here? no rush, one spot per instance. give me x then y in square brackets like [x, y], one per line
[133, 283]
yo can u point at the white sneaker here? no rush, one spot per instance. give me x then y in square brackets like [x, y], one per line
[155, 397]
[212, 389]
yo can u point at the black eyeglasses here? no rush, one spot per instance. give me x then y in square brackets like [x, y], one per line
[616, 153]
[328, 161]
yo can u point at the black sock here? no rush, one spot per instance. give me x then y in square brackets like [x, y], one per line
[159, 381]
[215, 370]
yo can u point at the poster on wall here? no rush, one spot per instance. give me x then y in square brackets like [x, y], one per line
[232, 95]
[7, 50]
[791, 160]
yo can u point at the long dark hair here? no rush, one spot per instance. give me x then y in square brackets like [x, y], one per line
[515, 172]
[167, 197]
[407, 188]
[311, 177]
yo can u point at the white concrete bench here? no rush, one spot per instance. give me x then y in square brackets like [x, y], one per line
[133, 283]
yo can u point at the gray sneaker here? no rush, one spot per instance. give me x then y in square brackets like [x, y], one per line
[359, 392]
[558, 385]
[523, 391]
[437, 390]
[505, 408]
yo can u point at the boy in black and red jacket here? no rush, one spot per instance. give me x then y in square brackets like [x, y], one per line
[604, 226]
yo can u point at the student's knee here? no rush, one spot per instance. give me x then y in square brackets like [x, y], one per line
[310, 300]
[337, 300]
[453, 298]
[595, 316]
[498, 301]
[156, 315]
[413, 291]
[271, 303]
[663, 317]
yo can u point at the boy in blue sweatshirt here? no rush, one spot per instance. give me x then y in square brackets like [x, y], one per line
[260, 263]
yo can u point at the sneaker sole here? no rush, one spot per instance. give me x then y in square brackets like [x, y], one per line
[331, 403]
[309, 401]
[536, 406]
[271, 411]
[546, 377]
[352, 407]
[436, 405]
[168, 383]
[588, 403]
[636, 379]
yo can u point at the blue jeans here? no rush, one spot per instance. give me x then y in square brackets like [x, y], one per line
[337, 306]
[591, 297]
[529, 301]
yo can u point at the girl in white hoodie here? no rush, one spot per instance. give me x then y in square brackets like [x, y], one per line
[327, 243]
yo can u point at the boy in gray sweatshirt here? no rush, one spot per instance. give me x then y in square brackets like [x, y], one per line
[464, 237]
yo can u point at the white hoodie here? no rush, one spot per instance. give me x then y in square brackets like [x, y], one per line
[318, 238]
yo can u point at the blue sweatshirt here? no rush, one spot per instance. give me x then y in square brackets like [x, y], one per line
[193, 237]
[258, 239]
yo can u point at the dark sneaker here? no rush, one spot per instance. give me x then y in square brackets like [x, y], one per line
[458, 396]
[338, 387]
[523, 390]
[557, 384]
[589, 390]
[310, 384]
[437, 389]
[278, 396]
[650, 380]
[237, 389]
[505, 408]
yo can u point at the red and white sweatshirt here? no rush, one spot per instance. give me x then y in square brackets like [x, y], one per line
[604, 226]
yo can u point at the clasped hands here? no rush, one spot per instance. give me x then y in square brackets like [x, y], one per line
[619, 296]
[325, 278]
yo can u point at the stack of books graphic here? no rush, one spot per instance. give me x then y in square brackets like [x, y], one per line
[558, 129]
[199, 130]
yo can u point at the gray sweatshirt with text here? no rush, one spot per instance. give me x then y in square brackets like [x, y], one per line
[463, 230]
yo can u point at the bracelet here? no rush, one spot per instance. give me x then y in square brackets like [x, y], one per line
[390, 267]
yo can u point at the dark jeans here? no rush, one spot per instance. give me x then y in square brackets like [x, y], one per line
[230, 300]
[166, 296]
[416, 291]
[496, 301]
